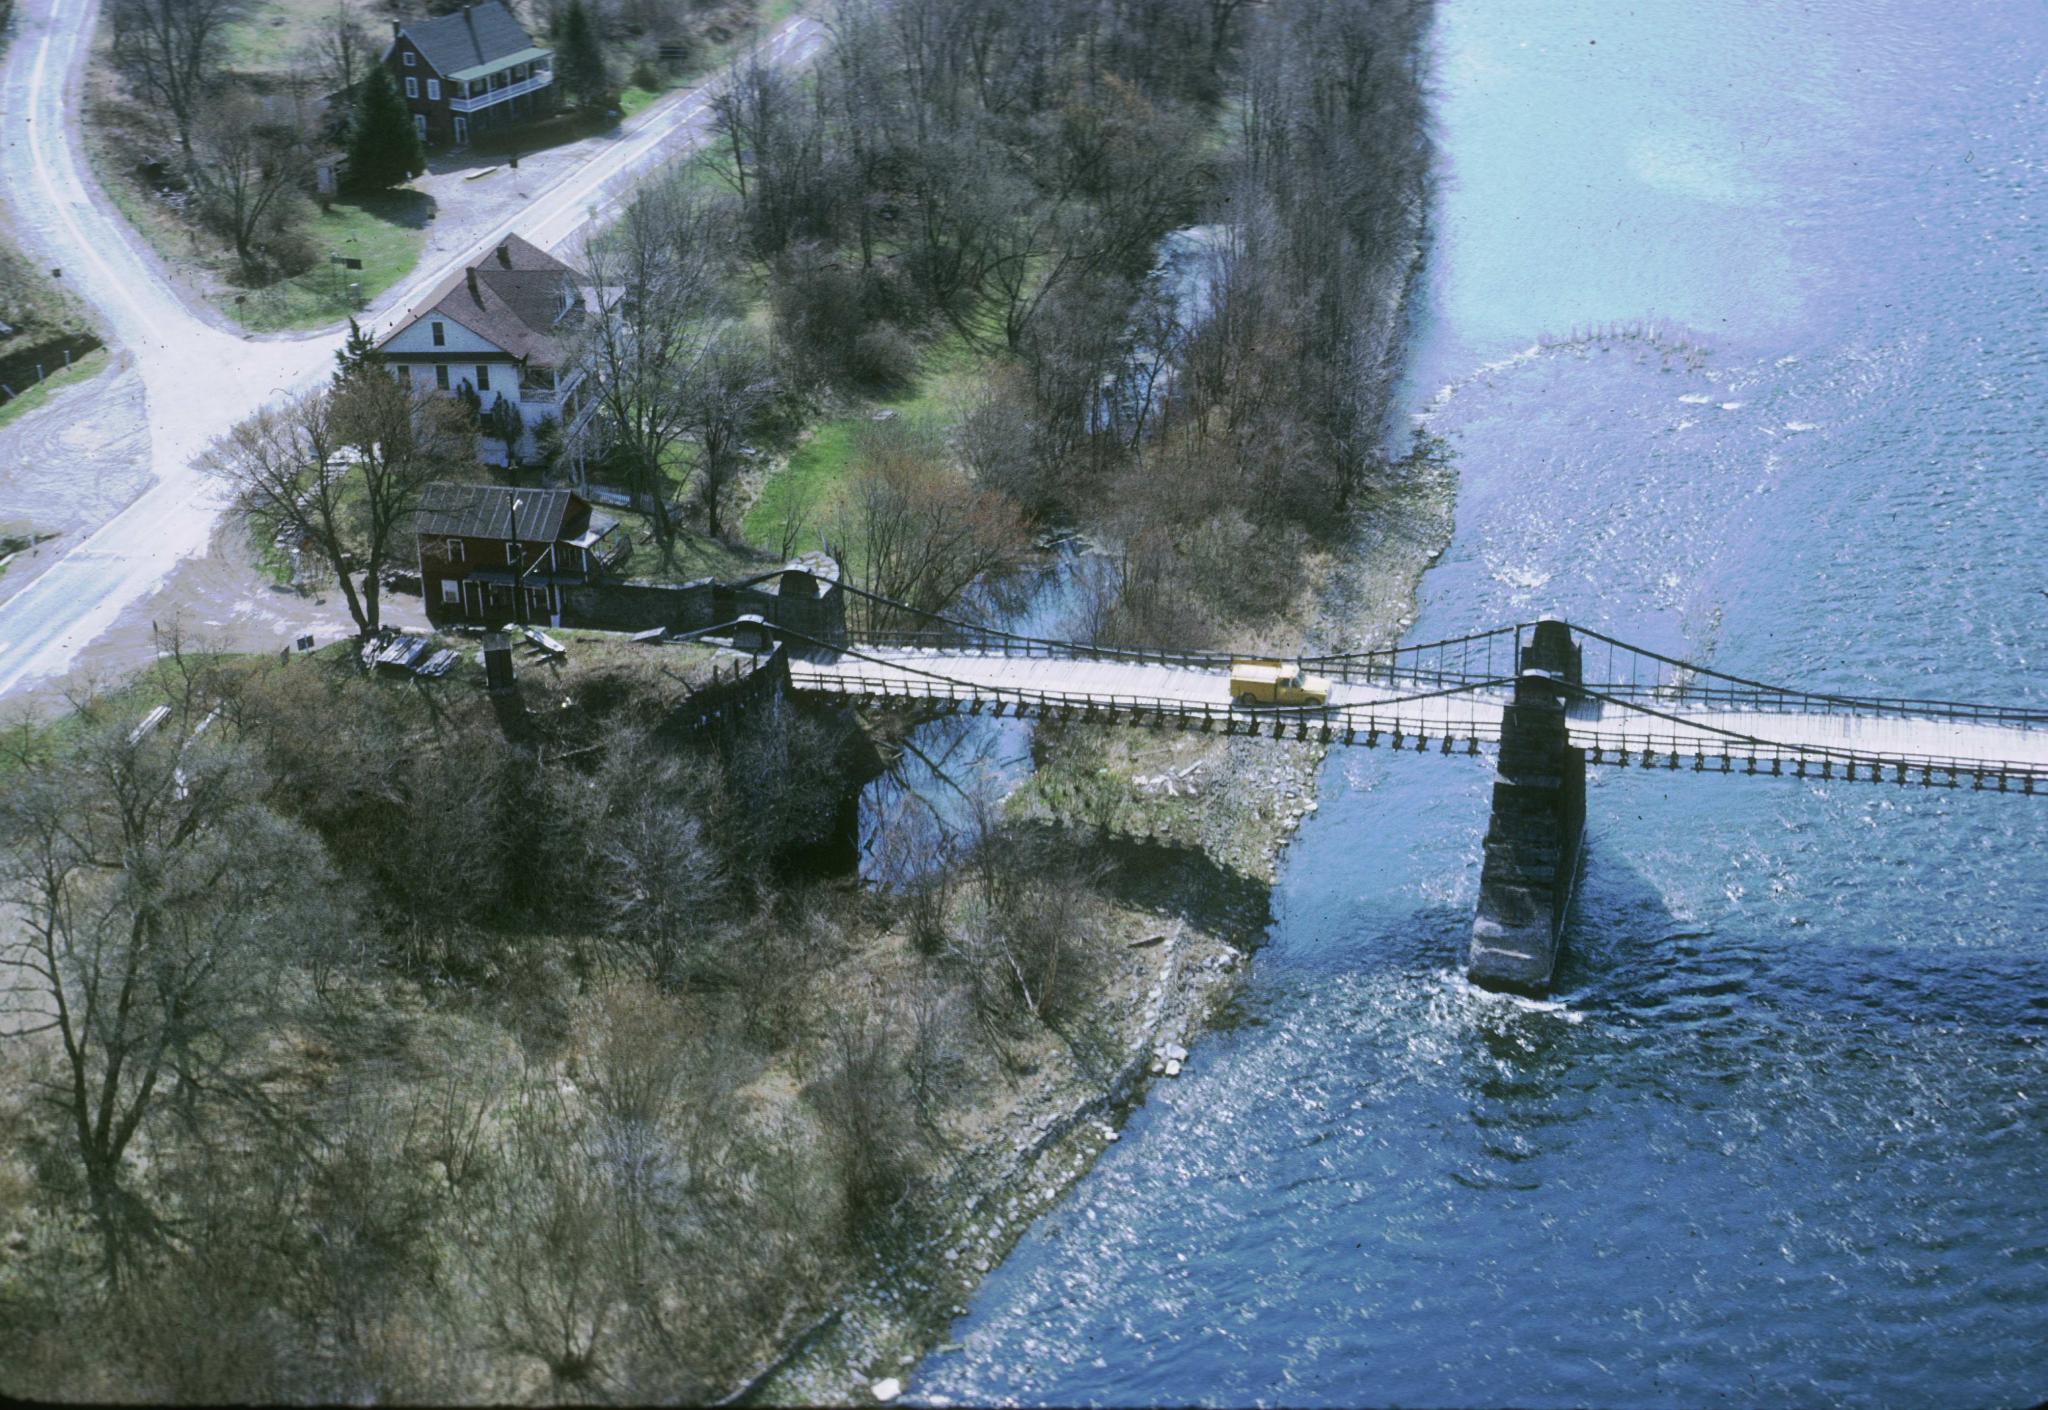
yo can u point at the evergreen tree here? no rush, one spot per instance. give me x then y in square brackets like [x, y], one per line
[355, 356]
[579, 61]
[383, 147]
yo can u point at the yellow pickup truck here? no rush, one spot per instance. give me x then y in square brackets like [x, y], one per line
[1259, 680]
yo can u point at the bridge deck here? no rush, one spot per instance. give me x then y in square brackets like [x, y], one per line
[1421, 708]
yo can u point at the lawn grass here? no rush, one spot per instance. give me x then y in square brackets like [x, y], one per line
[385, 231]
[633, 99]
[815, 476]
[695, 555]
[272, 31]
[81, 369]
[811, 480]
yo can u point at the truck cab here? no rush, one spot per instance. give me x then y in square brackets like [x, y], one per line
[1260, 680]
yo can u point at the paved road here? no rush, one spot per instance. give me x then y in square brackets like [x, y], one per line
[201, 376]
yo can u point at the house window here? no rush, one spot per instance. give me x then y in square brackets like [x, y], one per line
[402, 373]
[412, 87]
[419, 123]
[455, 550]
[451, 590]
[410, 58]
[440, 335]
[441, 375]
[483, 378]
[434, 89]
[512, 554]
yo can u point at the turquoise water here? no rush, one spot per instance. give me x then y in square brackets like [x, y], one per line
[1734, 321]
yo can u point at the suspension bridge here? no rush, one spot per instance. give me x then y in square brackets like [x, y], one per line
[1632, 708]
[1544, 700]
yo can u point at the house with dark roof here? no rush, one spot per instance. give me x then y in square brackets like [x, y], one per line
[500, 553]
[469, 71]
[507, 328]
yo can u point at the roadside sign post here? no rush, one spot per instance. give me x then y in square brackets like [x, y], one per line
[336, 263]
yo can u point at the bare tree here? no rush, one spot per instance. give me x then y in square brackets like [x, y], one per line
[545, 1250]
[734, 385]
[659, 274]
[343, 470]
[344, 48]
[1027, 921]
[664, 882]
[154, 897]
[250, 168]
[170, 51]
[795, 524]
[859, 1099]
[914, 529]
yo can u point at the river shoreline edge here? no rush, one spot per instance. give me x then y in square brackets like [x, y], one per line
[867, 1346]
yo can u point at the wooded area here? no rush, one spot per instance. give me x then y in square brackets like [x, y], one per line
[1006, 180]
[374, 1042]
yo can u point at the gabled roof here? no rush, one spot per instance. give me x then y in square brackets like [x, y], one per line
[488, 512]
[520, 297]
[474, 37]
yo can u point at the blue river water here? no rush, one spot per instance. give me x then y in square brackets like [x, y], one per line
[1734, 321]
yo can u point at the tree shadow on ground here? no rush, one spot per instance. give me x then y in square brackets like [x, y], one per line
[1177, 882]
[488, 149]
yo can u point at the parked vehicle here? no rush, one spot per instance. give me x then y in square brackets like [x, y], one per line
[1258, 680]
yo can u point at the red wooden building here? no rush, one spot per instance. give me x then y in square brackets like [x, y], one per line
[500, 553]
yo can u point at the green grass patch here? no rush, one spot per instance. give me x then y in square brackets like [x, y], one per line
[633, 99]
[81, 369]
[273, 562]
[815, 475]
[272, 31]
[122, 704]
[386, 232]
[810, 482]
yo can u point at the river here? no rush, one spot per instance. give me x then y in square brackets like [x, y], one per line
[1733, 322]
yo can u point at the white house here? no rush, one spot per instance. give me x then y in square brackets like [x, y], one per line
[507, 328]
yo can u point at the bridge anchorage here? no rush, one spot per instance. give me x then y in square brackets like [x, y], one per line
[1548, 698]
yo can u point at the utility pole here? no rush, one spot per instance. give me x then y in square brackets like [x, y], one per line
[515, 551]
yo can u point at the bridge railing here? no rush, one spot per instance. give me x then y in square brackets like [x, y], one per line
[1611, 667]
[1472, 660]
[1623, 671]
[1679, 750]
[997, 643]
[1654, 740]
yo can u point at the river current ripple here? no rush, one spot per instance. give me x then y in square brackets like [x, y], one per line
[1734, 324]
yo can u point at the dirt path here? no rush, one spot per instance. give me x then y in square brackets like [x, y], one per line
[219, 601]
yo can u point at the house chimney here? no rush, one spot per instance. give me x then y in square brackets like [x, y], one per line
[397, 31]
[469, 277]
[505, 255]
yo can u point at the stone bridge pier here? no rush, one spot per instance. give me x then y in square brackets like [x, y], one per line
[1539, 818]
